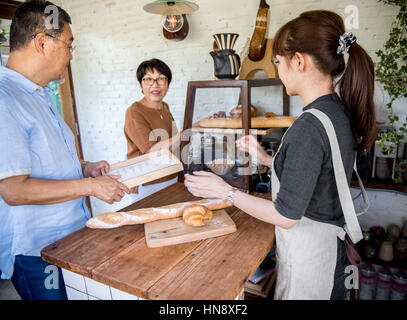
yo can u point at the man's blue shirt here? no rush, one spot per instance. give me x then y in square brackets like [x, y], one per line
[34, 141]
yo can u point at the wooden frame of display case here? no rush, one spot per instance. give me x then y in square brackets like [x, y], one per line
[245, 100]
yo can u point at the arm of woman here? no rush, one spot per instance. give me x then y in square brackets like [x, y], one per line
[250, 145]
[208, 185]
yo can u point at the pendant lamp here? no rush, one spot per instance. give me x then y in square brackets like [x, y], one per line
[174, 13]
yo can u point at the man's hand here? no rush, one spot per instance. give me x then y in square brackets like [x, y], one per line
[108, 189]
[94, 169]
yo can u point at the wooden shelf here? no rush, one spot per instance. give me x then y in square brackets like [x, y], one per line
[255, 132]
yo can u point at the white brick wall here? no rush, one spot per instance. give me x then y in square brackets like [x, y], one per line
[114, 37]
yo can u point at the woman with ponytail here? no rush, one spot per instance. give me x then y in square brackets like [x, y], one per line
[311, 205]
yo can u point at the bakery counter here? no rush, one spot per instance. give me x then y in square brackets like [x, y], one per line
[117, 264]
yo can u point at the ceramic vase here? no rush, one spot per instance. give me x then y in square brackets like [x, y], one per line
[227, 62]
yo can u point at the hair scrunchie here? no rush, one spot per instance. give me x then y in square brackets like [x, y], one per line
[345, 42]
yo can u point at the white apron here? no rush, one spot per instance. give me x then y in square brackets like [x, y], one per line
[307, 253]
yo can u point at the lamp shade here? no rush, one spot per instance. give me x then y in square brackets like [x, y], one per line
[165, 7]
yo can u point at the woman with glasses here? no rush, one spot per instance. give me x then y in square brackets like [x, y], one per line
[149, 125]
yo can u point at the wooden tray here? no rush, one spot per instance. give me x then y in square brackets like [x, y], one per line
[146, 168]
[169, 232]
[258, 122]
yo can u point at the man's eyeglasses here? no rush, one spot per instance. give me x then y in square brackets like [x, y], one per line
[148, 81]
[71, 48]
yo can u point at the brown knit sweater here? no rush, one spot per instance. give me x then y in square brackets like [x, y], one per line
[139, 123]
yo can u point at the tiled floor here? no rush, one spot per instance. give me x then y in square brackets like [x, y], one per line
[7, 291]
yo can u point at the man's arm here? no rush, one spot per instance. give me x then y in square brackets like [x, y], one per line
[22, 190]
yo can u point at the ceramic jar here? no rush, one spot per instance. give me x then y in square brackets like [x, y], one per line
[384, 168]
[404, 230]
[386, 251]
[393, 232]
[227, 62]
[370, 250]
[378, 234]
[368, 279]
[401, 250]
[384, 284]
[399, 288]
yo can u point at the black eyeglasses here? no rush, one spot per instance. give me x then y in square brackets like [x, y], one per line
[71, 48]
[148, 81]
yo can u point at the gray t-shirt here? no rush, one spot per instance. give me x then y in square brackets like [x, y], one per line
[304, 164]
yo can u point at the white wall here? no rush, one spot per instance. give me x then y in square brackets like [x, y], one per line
[113, 37]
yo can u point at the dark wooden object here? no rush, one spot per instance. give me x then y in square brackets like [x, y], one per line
[216, 268]
[258, 40]
[7, 8]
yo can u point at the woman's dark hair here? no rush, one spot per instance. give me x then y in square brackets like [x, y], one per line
[152, 64]
[317, 34]
[30, 19]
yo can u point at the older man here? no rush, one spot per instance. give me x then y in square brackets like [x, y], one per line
[41, 180]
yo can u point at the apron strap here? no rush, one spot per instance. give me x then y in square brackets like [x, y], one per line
[352, 226]
[363, 191]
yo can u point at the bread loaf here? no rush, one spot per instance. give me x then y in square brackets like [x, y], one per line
[236, 113]
[112, 220]
[257, 122]
[269, 115]
[196, 215]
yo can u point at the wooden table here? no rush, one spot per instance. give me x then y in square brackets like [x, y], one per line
[216, 268]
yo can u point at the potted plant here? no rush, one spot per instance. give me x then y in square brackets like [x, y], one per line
[391, 71]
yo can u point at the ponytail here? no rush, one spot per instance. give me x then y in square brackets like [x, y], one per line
[356, 88]
[318, 33]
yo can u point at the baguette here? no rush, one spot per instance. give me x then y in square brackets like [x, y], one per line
[110, 220]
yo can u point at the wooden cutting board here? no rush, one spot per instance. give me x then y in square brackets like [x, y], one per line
[174, 231]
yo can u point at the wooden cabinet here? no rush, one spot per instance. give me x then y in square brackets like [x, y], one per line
[245, 100]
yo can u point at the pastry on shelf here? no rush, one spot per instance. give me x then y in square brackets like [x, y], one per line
[236, 113]
[269, 115]
[220, 114]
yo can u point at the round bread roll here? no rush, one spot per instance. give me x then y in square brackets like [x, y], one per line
[196, 215]
[269, 115]
[236, 113]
